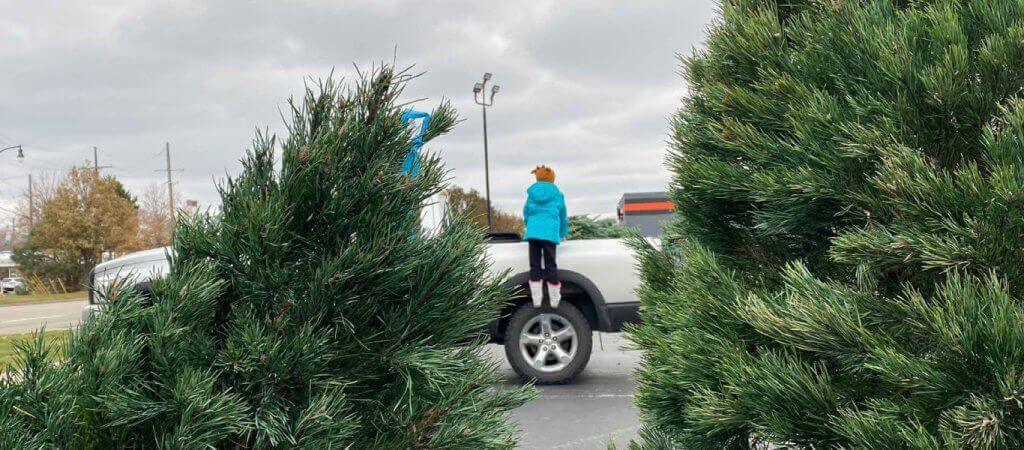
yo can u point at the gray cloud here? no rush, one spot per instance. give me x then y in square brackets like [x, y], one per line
[587, 87]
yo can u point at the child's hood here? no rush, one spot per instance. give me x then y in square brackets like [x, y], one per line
[543, 192]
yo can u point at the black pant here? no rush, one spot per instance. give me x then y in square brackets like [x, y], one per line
[546, 250]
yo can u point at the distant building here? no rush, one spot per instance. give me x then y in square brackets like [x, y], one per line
[7, 266]
[645, 211]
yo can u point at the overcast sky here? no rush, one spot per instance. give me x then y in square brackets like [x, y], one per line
[586, 87]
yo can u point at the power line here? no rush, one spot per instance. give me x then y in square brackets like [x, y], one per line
[6, 182]
[5, 138]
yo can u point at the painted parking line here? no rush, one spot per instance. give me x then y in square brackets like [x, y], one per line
[28, 319]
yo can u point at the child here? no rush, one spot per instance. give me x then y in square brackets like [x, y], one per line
[546, 224]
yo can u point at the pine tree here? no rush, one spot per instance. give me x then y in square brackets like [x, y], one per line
[588, 227]
[311, 312]
[846, 267]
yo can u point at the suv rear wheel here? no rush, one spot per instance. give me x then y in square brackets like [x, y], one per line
[549, 345]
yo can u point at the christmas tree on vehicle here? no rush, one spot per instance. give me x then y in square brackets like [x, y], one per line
[846, 267]
[310, 312]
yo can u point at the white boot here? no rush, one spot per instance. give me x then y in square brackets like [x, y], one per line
[537, 293]
[555, 294]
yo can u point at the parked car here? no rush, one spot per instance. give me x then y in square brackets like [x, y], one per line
[549, 345]
[11, 284]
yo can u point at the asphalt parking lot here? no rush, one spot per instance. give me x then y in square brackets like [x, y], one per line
[595, 410]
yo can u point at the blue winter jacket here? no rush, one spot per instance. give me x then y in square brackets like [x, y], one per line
[544, 213]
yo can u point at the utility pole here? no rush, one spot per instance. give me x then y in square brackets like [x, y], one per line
[96, 162]
[31, 203]
[170, 183]
[12, 234]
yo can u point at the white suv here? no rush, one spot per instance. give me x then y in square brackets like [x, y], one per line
[549, 345]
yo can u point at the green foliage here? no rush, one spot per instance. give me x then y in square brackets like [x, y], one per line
[9, 341]
[309, 313]
[125, 194]
[586, 227]
[32, 260]
[845, 271]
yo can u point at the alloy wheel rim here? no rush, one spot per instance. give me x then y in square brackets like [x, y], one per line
[548, 342]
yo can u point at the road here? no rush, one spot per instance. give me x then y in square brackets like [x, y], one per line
[596, 409]
[588, 414]
[27, 318]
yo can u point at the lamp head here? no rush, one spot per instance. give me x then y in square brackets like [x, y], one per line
[494, 89]
[487, 76]
[478, 87]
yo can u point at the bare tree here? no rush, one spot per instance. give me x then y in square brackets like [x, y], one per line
[475, 205]
[155, 224]
[29, 208]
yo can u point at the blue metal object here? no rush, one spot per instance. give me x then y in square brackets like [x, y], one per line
[412, 161]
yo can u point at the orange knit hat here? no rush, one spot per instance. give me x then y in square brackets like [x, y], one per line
[544, 173]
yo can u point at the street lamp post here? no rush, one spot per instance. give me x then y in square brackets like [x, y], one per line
[21, 157]
[21, 152]
[480, 97]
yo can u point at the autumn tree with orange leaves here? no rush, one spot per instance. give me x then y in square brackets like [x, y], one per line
[88, 216]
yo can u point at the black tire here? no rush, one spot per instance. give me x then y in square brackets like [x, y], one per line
[524, 316]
